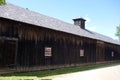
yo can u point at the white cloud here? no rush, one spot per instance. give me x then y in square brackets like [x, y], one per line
[87, 18]
[91, 28]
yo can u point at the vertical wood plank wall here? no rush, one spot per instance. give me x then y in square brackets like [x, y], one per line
[32, 41]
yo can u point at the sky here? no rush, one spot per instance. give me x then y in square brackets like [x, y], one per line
[103, 16]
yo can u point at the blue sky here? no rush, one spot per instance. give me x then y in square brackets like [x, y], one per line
[102, 15]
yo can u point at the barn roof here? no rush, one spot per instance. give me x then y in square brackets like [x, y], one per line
[16, 13]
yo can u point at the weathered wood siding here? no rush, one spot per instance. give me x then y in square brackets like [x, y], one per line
[32, 41]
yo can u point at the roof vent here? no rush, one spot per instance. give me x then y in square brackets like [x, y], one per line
[80, 22]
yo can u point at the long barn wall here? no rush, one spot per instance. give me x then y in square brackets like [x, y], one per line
[32, 41]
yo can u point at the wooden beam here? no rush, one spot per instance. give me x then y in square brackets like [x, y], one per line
[8, 38]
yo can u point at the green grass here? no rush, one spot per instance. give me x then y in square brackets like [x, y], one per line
[38, 74]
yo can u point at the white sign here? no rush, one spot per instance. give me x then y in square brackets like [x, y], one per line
[81, 52]
[112, 54]
[48, 51]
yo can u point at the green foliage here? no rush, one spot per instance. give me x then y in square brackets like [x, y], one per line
[118, 32]
[2, 2]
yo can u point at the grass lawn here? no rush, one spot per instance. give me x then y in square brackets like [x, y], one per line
[38, 74]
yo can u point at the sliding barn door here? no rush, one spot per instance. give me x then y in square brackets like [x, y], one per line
[7, 53]
[100, 51]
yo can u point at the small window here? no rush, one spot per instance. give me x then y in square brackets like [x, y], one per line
[112, 54]
[48, 51]
[81, 53]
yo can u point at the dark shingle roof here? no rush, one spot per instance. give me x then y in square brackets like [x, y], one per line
[13, 12]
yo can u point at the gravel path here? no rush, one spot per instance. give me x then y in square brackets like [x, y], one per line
[109, 73]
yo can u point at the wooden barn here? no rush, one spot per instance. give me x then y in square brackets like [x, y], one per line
[32, 41]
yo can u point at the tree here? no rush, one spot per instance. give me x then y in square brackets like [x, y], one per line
[2, 2]
[118, 32]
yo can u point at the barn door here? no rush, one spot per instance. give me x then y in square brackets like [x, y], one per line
[100, 51]
[7, 53]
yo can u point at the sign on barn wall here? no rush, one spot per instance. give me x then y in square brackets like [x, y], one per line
[112, 54]
[48, 51]
[81, 52]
